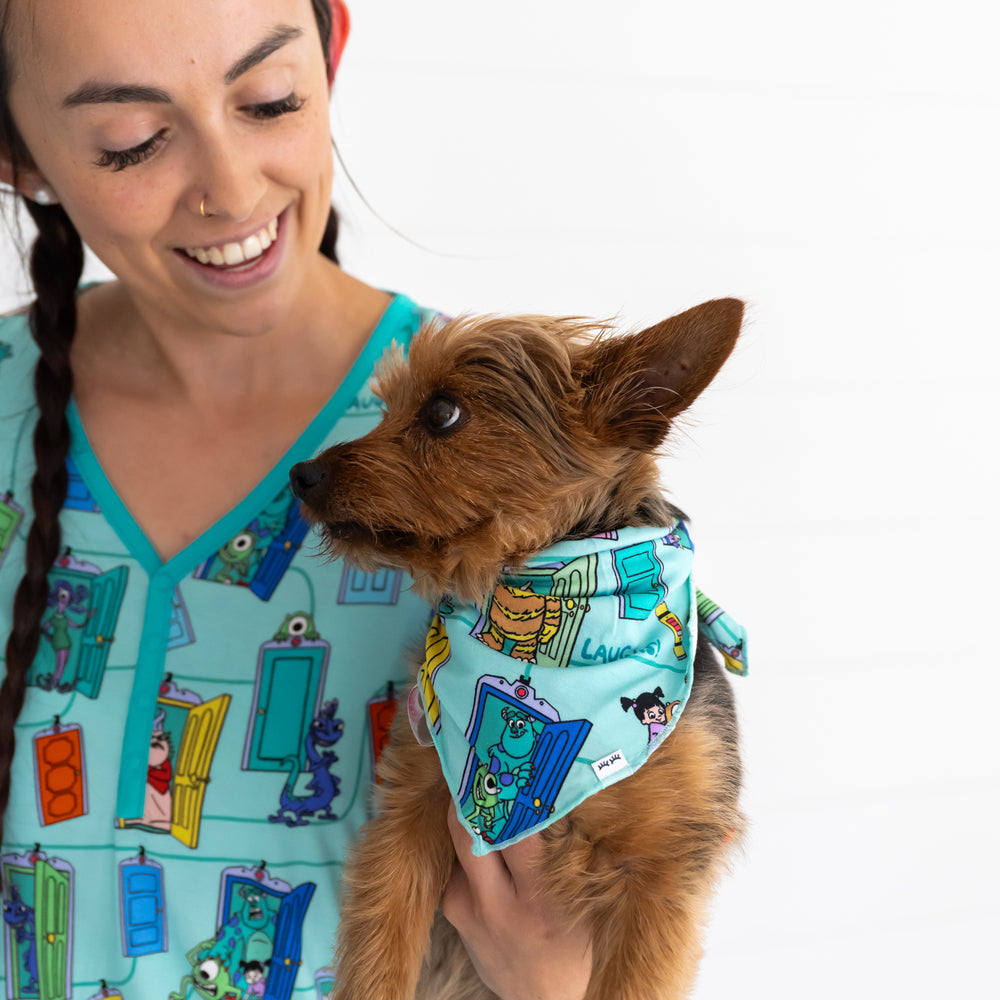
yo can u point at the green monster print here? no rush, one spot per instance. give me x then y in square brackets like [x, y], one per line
[236, 557]
[208, 977]
[299, 624]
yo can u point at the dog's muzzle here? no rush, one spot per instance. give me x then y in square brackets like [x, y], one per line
[306, 478]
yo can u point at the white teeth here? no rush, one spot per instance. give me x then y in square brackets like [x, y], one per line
[233, 253]
[236, 253]
[252, 247]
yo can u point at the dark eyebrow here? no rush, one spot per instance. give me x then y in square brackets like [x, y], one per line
[96, 92]
[281, 35]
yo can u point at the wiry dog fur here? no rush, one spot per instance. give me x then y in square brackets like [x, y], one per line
[500, 437]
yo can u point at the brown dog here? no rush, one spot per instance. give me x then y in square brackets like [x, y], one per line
[502, 436]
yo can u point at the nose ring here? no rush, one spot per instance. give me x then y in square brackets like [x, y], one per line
[201, 208]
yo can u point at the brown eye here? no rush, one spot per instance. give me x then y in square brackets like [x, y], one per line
[441, 415]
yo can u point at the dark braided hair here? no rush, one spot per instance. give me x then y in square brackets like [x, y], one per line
[56, 264]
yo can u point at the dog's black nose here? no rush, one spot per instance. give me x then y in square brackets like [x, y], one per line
[305, 477]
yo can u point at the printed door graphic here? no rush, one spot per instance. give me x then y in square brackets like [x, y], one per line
[180, 632]
[555, 751]
[106, 599]
[91, 631]
[381, 711]
[194, 761]
[639, 588]
[324, 980]
[60, 773]
[551, 757]
[38, 948]
[572, 584]
[10, 517]
[78, 496]
[287, 692]
[141, 901]
[358, 587]
[52, 888]
[287, 954]
[280, 553]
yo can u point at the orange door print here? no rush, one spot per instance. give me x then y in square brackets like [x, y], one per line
[60, 776]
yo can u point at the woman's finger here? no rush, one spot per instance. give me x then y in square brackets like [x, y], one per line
[488, 876]
[522, 861]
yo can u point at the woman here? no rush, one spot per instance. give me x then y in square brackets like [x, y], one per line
[189, 147]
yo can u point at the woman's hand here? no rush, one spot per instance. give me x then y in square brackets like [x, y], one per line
[519, 942]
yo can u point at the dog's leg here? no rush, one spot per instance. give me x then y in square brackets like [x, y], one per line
[394, 880]
[638, 862]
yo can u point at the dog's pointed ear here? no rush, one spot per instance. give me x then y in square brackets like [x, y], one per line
[637, 383]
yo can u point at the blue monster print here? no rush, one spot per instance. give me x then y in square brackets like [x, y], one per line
[324, 731]
[20, 918]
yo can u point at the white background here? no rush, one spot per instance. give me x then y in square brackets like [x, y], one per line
[837, 166]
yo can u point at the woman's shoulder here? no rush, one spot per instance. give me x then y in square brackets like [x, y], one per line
[404, 317]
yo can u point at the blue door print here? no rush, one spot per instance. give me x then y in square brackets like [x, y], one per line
[78, 496]
[280, 553]
[143, 920]
[556, 744]
[287, 954]
[358, 587]
[555, 750]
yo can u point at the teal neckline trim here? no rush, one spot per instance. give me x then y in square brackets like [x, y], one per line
[400, 321]
[401, 317]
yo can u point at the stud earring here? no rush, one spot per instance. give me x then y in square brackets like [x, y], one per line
[44, 196]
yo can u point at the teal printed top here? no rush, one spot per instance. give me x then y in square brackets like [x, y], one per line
[197, 746]
[568, 676]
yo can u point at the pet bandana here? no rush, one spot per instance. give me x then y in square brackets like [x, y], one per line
[565, 680]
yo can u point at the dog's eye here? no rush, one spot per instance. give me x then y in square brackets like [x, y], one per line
[441, 414]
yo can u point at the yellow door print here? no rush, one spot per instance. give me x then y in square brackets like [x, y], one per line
[194, 761]
[437, 652]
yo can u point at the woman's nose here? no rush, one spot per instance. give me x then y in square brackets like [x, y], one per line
[233, 184]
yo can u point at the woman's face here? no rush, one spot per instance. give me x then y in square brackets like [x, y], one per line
[134, 112]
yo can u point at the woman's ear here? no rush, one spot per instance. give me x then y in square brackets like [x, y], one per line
[9, 174]
[25, 180]
[338, 36]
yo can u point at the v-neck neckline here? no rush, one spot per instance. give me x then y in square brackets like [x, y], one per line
[305, 445]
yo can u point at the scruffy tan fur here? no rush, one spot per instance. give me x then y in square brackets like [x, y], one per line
[501, 436]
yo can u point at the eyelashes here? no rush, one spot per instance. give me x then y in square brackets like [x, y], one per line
[275, 109]
[120, 159]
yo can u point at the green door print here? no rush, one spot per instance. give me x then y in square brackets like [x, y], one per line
[638, 572]
[37, 926]
[287, 692]
[53, 919]
[78, 628]
[573, 584]
[106, 600]
[10, 518]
